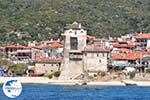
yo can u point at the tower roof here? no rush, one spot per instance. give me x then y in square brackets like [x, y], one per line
[74, 25]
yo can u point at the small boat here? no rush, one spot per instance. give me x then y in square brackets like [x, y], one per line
[130, 84]
[84, 83]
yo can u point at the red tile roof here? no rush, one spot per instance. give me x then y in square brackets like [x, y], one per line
[2, 48]
[48, 60]
[117, 56]
[53, 44]
[56, 45]
[18, 46]
[133, 43]
[39, 47]
[94, 48]
[133, 56]
[15, 46]
[142, 36]
[124, 50]
[125, 44]
[128, 56]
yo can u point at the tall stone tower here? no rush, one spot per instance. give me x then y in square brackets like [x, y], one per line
[74, 42]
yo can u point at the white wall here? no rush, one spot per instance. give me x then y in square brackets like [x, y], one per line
[80, 34]
[95, 61]
[148, 43]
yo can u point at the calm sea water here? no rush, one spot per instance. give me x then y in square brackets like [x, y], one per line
[50, 92]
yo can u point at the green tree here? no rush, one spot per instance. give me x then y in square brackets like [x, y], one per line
[19, 68]
[100, 17]
[5, 63]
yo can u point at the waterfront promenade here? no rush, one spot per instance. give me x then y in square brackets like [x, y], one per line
[44, 80]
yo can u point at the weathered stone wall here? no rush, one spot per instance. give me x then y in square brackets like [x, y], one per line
[46, 68]
[95, 62]
[71, 70]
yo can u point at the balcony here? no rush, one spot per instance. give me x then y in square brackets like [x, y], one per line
[75, 56]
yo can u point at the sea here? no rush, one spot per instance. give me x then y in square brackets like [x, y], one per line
[54, 92]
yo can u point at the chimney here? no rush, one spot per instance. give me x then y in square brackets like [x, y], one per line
[17, 44]
[79, 25]
[51, 40]
[58, 40]
[29, 43]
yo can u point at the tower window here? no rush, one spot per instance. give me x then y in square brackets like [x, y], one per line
[75, 33]
[70, 31]
[82, 32]
[74, 43]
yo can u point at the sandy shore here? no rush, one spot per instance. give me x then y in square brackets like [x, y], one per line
[44, 80]
[40, 80]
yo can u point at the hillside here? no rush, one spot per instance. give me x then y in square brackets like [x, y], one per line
[43, 19]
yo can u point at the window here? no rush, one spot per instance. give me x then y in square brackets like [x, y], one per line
[103, 54]
[75, 33]
[82, 32]
[70, 31]
[57, 64]
[97, 54]
[99, 61]
[74, 43]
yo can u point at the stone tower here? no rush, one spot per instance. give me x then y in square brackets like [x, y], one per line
[74, 42]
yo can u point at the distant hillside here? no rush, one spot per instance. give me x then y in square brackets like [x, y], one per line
[100, 17]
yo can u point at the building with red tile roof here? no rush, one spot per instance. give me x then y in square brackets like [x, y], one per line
[127, 56]
[143, 39]
[47, 65]
[2, 50]
[143, 36]
[55, 45]
[122, 50]
[125, 44]
[15, 46]
[48, 60]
